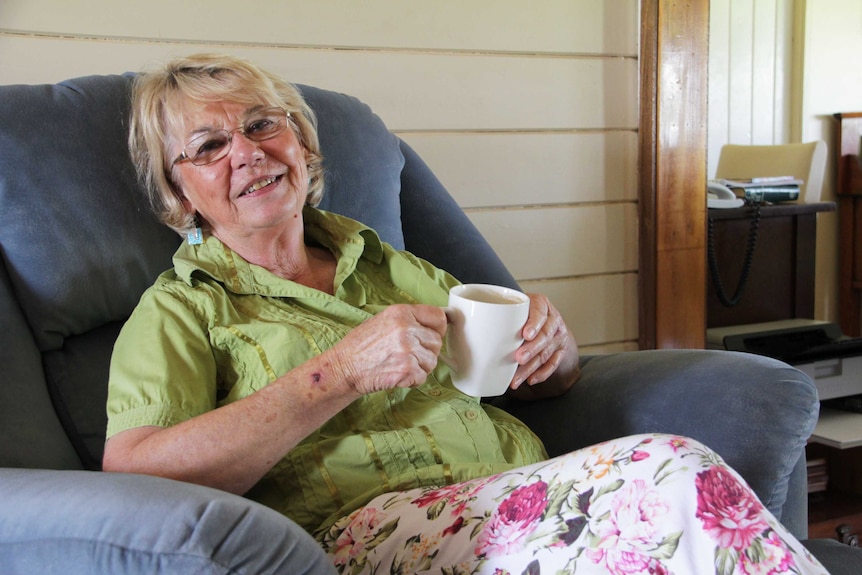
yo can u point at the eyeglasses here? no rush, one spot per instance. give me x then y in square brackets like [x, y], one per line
[212, 145]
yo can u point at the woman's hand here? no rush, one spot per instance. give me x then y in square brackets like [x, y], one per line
[396, 348]
[548, 356]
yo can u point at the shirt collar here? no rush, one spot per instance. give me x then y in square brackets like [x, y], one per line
[347, 239]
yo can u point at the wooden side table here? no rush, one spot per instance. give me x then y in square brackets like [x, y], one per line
[780, 282]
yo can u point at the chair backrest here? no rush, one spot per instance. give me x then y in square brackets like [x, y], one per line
[78, 246]
[806, 162]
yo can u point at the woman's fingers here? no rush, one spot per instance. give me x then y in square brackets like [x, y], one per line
[397, 348]
[545, 362]
[545, 343]
[539, 311]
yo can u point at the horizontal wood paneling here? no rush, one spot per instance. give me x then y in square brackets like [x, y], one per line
[611, 317]
[444, 92]
[532, 168]
[538, 26]
[562, 241]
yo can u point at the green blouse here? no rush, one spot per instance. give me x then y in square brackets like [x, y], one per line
[216, 329]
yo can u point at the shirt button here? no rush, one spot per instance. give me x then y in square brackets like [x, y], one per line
[471, 414]
[435, 393]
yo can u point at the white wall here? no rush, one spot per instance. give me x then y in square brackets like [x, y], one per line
[527, 111]
[832, 82]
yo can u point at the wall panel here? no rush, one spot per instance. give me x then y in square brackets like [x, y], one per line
[557, 242]
[486, 97]
[539, 26]
[613, 295]
[516, 169]
[749, 74]
[742, 73]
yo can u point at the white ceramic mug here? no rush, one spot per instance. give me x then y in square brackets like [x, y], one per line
[485, 325]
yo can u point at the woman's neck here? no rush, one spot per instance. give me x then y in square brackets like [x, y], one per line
[287, 256]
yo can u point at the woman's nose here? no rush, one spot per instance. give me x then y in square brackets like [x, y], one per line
[245, 151]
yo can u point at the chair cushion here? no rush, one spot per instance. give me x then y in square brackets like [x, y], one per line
[362, 162]
[79, 522]
[79, 242]
[80, 245]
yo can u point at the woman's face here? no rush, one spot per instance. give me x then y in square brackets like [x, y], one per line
[257, 187]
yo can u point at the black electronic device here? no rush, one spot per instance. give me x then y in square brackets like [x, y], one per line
[795, 345]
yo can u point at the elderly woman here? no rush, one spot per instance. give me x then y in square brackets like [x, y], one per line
[292, 357]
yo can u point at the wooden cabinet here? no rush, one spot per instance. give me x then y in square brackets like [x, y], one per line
[849, 192]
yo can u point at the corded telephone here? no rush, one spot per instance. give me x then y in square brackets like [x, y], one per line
[757, 192]
[720, 196]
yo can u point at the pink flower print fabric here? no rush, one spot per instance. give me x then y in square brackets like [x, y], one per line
[513, 521]
[733, 518]
[646, 504]
[629, 534]
[730, 513]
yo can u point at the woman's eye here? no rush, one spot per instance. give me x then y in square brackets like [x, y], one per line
[211, 145]
[260, 126]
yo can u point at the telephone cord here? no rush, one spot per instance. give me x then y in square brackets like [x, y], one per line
[746, 267]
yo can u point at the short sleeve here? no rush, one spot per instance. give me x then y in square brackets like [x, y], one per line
[163, 371]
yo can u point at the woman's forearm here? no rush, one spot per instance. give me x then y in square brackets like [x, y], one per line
[232, 447]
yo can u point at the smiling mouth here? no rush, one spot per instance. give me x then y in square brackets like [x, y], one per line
[258, 185]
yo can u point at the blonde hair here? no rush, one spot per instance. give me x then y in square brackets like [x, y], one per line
[159, 98]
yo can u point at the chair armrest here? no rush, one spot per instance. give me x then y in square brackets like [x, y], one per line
[81, 522]
[756, 412]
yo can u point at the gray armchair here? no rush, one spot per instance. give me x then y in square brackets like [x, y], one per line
[78, 248]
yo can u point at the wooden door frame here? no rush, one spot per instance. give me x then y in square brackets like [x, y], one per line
[672, 161]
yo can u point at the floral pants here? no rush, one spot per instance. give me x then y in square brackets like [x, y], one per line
[642, 504]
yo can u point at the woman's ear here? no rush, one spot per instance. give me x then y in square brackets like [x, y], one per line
[187, 207]
[176, 187]
[177, 191]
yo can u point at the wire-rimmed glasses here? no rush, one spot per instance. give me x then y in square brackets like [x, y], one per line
[209, 146]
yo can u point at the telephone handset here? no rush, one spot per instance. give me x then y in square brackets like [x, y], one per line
[720, 196]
